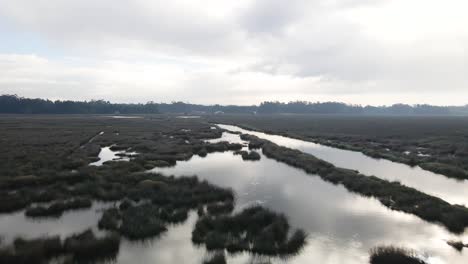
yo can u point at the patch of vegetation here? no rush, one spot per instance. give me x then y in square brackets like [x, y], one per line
[445, 169]
[169, 200]
[217, 258]
[393, 255]
[12, 202]
[256, 229]
[87, 248]
[56, 209]
[248, 155]
[83, 248]
[141, 222]
[220, 208]
[31, 251]
[222, 146]
[110, 219]
[254, 142]
[458, 245]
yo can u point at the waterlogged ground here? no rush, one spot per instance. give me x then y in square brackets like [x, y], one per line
[451, 190]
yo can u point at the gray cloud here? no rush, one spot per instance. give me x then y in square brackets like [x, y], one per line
[107, 23]
[240, 52]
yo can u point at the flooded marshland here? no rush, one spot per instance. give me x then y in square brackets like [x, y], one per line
[342, 226]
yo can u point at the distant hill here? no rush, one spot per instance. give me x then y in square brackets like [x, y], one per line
[14, 104]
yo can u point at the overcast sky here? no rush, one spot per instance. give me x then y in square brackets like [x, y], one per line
[236, 52]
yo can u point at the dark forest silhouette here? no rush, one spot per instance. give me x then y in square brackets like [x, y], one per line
[14, 104]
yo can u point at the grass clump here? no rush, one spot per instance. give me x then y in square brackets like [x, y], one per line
[217, 258]
[393, 255]
[221, 147]
[110, 219]
[57, 208]
[254, 142]
[248, 155]
[458, 245]
[86, 247]
[252, 155]
[141, 222]
[31, 251]
[220, 207]
[445, 169]
[256, 229]
[13, 202]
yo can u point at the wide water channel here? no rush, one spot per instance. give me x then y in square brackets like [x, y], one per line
[342, 227]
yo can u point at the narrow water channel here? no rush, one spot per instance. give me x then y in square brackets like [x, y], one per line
[451, 190]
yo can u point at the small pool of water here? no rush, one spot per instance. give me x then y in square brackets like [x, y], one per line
[124, 116]
[107, 154]
[187, 117]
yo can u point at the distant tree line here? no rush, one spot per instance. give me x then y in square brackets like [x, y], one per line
[18, 105]
[302, 107]
[13, 104]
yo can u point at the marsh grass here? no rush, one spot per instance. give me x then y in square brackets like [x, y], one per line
[248, 155]
[458, 245]
[87, 248]
[256, 229]
[84, 247]
[31, 251]
[393, 255]
[217, 258]
[141, 222]
[56, 209]
[225, 207]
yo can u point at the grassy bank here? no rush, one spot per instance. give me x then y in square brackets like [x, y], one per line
[394, 255]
